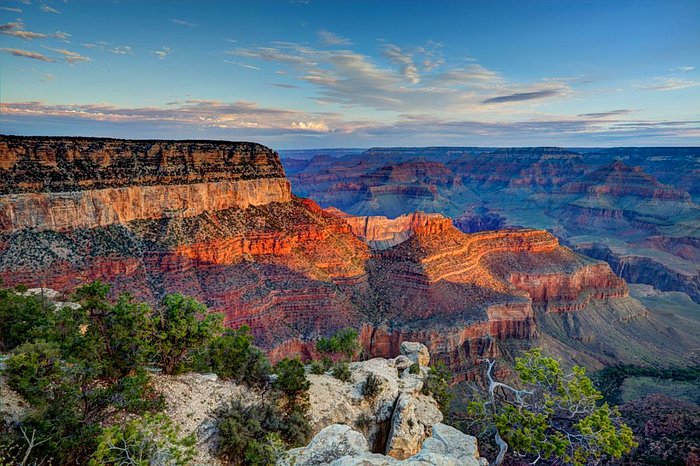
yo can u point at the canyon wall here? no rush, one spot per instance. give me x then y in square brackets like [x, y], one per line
[216, 220]
[63, 184]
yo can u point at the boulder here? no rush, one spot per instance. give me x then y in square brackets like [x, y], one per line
[410, 425]
[333, 442]
[447, 440]
[416, 352]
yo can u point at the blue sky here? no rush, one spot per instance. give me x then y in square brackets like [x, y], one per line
[322, 73]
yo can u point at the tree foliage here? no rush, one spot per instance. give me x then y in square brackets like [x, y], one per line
[180, 326]
[143, 442]
[83, 367]
[233, 356]
[437, 385]
[556, 416]
[344, 343]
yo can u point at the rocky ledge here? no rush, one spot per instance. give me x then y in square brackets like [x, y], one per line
[398, 425]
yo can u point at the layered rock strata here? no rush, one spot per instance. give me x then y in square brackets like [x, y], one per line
[282, 265]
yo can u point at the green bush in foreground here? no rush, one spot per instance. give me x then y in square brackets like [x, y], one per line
[144, 442]
[437, 385]
[555, 416]
[341, 371]
[258, 434]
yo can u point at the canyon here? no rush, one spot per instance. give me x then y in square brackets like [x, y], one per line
[635, 208]
[218, 221]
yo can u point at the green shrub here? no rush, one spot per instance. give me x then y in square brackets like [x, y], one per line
[143, 442]
[341, 371]
[233, 356]
[317, 368]
[437, 384]
[33, 369]
[292, 382]
[372, 386]
[182, 326]
[252, 435]
[345, 342]
[414, 369]
[24, 318]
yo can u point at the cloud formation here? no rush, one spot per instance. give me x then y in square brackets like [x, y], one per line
[48, 9]
[666, 83]
[69, 56]
[611, 113]
[181, 22]
[107, 47]
[13, 10]
[162, 53]
[329, 38]
[16, 29]
[412, 80]
[520, 96]
[27, 54]
[215, 118]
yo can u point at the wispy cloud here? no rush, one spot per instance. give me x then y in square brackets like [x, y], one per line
[241, 118]
[69, 56]
[48, 77]
[417, 81]
[48, 9]
[611, 113]
[162, 53]
[329, 38]
[181, 22]
[666, 83]
[520, 96]
[285, 86]
[684, 69]
[12, 9]
[16, 29]
[405, 60]
[193, 113]
[27, 54]
[244, 65]
[107, 47]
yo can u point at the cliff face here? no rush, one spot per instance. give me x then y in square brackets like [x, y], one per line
[381, 232]
[64, 184]
[217, 221]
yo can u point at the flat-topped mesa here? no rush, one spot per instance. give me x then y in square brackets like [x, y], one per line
[68, 183]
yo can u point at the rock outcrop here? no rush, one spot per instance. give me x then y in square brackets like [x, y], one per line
[399, 425]
[381, 232]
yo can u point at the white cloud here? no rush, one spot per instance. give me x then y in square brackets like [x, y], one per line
[69, 56]
[48, 9]
[666, 83]
[244, 65]
[107, 47]
[162, 53]
[329, 38]
[27, 54]
[16, 29]
[181, 22]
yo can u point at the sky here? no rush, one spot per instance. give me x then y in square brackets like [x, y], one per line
[321, 73]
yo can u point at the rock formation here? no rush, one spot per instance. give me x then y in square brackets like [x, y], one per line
[397, 426]
[612, 202]
[280, 264]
